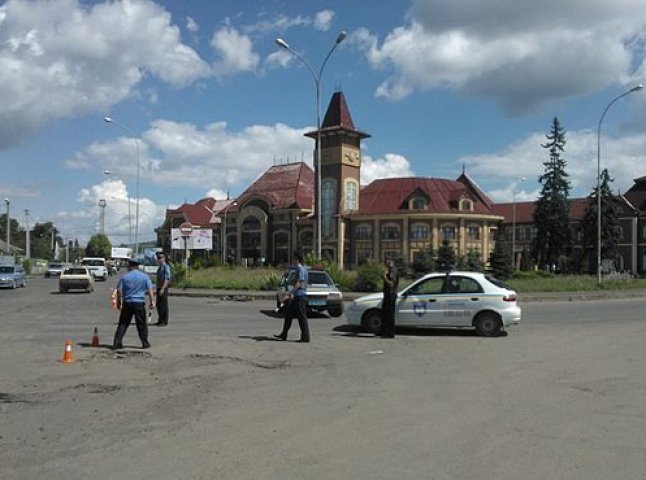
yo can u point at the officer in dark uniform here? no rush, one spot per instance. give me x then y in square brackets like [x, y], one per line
[391, 283]
[297, 306]
[163, 284]
[132, 289]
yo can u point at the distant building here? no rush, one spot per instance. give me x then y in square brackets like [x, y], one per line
[396, 216]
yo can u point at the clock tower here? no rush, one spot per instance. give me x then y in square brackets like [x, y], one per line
[340, 175]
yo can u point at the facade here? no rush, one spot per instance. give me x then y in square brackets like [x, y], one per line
[398, 216]
[631, 249]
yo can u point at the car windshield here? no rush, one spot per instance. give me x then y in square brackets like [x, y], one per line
[55, 265]
[94, 263]
[75, 271]
[318, 278]
[4, 269]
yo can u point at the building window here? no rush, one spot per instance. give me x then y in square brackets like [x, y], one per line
[251, 229]
[364, 232]
[473, 233]
[363, 255]
[281, 247]
[466, 204]
[351, 195]
[419, 231]
[620, 233]
[328, 196]
[390, 231]
[449, 232]
[418, 203]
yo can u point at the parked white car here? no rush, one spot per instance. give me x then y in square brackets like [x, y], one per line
[444, 300]
[97, 266]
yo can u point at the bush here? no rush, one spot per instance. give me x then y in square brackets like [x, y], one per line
[369, 277]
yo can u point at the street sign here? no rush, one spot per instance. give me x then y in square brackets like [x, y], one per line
[186, 229]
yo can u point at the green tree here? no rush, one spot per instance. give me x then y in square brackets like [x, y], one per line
[423, 264]
[16, 232]
[500, 258]
[552, 213]
[446, 256]
[98, 246]
[42, 240]
[474, 261]
[610, 230]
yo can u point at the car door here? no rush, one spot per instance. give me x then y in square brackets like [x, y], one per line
[460, 301]
[418, 305]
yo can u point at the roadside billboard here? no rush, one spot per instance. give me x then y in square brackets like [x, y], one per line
[198, 239]
[121, 252]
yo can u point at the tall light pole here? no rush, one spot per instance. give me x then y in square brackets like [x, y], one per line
[112, 120]
[109, 173]
[317, 81]
[27, 244]
[513, 223]
[7, 202]
[628, 92]
[224, 231]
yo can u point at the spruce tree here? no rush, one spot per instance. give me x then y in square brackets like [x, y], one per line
[609, 224]
[446, 256]
[552, 213]
[500, 259]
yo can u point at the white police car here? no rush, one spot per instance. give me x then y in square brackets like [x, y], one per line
[444, 300]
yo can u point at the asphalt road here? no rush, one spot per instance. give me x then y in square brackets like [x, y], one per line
[559, 397]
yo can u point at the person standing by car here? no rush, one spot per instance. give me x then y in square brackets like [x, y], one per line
[163, 284]
[132, 289]
[391, 282]
[297, 306]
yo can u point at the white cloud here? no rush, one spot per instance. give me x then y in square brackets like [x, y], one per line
[191, 25]
[281, 23]
[518, 53]
[525, 159]
[235, 51]
[323, 20]
[391, 166]
[86, 58]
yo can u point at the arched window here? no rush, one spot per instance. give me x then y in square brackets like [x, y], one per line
[390, 231]
[449, 232]
[473, 233]
[328, 200]
[466, 204]
[364, 231]
[418, 203]
[351, 195]
[419, 231]
[251, 238]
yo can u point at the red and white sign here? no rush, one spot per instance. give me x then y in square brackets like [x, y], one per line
[186, 229]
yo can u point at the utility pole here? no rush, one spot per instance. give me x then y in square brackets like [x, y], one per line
[27, 245]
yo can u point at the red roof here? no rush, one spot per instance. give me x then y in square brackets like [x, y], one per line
[390, 195]
[525, 210]
[284, 186]
[337, 118]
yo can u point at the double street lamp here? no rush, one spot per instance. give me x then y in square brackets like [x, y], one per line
[513, 223]
[7, 202]
[112, 120]
[317, 81]
[628, 92]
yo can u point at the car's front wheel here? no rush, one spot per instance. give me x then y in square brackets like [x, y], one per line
[372, 321]
[488, 324]
[335, 311]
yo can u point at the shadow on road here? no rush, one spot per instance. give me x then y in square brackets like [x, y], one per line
[356, 331]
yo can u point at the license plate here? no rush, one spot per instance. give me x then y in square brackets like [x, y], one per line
[316, 302]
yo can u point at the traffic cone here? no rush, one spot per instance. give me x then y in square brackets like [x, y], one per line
[68, 355]
[95, 337]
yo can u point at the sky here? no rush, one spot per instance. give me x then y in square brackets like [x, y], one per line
[204, 101]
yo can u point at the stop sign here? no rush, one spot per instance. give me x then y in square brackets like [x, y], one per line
[186, 229]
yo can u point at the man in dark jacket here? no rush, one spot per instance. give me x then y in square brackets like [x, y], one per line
[391, 282]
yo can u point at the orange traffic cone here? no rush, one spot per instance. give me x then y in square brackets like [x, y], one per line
[95, 337]
[68, 355]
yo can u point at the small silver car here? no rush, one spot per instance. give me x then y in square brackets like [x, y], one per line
[322, 292]
[444, 300]
[12, 276]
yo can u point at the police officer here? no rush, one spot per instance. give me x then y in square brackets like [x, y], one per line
[163, 284]
[390, 278]
[297, 306]
[131, 300]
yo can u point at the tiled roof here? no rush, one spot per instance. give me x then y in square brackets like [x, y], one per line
[389, 195]
[284, 186]
[525, 210]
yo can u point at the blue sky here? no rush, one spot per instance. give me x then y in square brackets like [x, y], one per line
[211, 102]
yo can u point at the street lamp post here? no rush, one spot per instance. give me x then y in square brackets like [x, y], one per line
[224, 232]
[27, 244]
[112, 120]
[109, 173]
[513, 223]
[628, 92]
[317, 81]
[7, 202]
